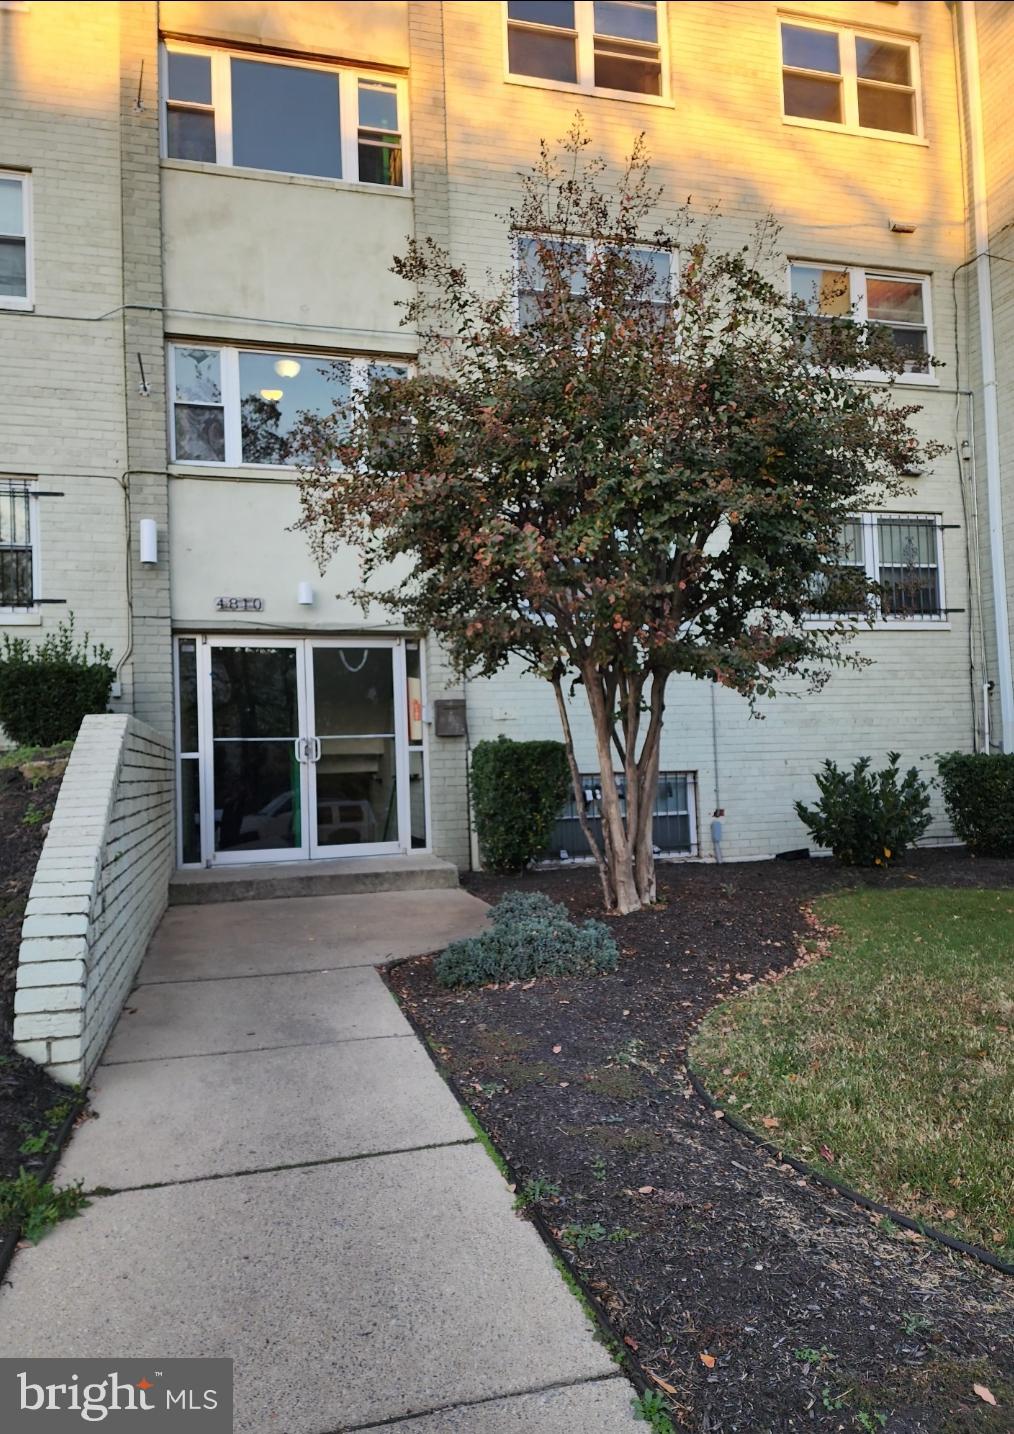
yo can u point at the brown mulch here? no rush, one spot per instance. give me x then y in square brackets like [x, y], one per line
[27, 1093]
[720, 1268]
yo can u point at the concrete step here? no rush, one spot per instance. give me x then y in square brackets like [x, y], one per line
[346, 876]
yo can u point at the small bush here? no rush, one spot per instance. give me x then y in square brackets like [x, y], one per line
[518, 789]
[529, 936]
[47, 689]
[979, 796]
[867, 818]
[33, 1208]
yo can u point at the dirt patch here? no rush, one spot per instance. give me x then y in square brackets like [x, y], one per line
[27, 1094]
[813, 1315]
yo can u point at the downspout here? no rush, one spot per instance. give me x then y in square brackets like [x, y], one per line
[966, 15]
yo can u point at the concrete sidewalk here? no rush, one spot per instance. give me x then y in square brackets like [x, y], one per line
[291, 1185]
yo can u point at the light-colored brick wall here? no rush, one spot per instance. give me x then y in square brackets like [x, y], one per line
[723, 142]
[99, 890]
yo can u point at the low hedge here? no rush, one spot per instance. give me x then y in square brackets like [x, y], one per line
[46, 689]
[529, 936]
[978, 792]
[867, 818]
[518, 789]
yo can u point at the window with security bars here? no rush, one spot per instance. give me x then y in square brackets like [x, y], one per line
[888, 566]
[17, 559]
[674, 821]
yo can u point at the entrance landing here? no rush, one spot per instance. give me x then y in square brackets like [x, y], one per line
[344, 876]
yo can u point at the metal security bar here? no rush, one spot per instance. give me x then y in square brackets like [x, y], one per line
[909, 566]
[674, 826]
[17, 587]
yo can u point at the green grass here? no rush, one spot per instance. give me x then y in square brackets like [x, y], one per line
[17, 756]
[893, 1053]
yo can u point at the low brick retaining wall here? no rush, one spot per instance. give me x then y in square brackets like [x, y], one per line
[99, 890]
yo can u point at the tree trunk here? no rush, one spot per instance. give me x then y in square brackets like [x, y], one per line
[647, 778]
[608, 891]
[618, 852]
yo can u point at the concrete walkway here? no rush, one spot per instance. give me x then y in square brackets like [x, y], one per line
[287, 1182]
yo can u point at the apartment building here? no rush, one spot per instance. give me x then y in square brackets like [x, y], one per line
[200, 206]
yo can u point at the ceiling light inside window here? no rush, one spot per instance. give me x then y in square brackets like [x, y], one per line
[271, 394]
[287, 368]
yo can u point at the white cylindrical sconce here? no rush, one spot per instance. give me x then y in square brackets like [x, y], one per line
[304, 594]
[148, 540]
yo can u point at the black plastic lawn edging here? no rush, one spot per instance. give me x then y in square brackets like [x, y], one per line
[44, 1174]
[612, 1340]
[975, 1252]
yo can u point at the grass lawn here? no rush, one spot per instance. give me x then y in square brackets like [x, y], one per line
[891, 1056]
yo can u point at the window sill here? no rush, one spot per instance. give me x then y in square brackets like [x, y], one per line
[22, 306]
[900, 380]
[14, 617]
[534, 82]
[899, 624]
[250, 472]
[830, 128]
[274, 176]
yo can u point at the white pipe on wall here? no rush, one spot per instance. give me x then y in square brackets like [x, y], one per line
[991, 421]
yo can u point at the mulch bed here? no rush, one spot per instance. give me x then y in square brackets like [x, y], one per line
[26, 1091]
[717, 1249]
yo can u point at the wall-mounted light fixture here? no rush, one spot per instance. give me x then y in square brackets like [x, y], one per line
[148, 541]
[305, 595]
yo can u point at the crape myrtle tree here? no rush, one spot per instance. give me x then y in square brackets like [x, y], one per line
[612, 478]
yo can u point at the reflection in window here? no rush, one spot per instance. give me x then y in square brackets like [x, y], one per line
[198, 410]
[275, 389]
[13, 237]
[597, 44]
[190, 113]
[379, 137]
[859, 81]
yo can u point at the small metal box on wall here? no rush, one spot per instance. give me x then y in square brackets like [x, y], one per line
[449, 718]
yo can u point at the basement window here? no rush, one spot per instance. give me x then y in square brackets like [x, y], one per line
[898, 552]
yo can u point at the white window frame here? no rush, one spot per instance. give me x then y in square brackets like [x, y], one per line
[584, 31]
[857, 277]
[869, 523]
[26, 615]
[26, 300]
[229, 383]
[348, 114]
[589, 248]
[849, 78]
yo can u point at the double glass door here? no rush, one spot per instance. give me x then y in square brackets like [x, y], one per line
[312, 748]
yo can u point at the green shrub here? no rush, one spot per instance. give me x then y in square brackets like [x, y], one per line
[529, 936]
[33, 1208]
[867, 818]
[46, 689]
[979, 796]
[518, 789]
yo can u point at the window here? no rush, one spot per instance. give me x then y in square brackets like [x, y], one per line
[15, 259]
[19, 571]
[573, 256]
[610, 45]
[290, 118]
[674, 820]
[834, 76]
[900, 553]
[898, 302]
[240, 406]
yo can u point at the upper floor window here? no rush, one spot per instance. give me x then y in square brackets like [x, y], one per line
[900, 302]
[15, 256]
[654, 266]
[616, 46]
[222, 108]
[839, 77]
[239, 406]
[19, 572]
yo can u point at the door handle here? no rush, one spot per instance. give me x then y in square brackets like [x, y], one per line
[300, 746]
[316, 749]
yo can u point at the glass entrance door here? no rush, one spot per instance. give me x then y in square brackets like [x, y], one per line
[358, 753]
[306, 748]
[256, 782]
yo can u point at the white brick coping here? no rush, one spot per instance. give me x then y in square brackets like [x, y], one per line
[100, 888]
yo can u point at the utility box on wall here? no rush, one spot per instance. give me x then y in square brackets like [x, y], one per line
[449, 718]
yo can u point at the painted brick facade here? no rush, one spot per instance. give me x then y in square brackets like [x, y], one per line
[99, 891]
